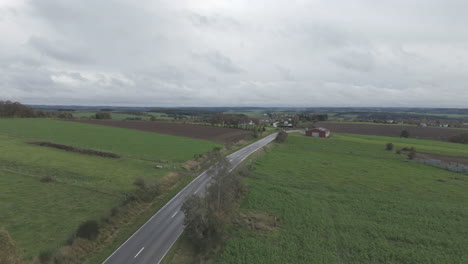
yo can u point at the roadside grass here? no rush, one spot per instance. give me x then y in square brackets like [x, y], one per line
[119, 140]
[361, 207]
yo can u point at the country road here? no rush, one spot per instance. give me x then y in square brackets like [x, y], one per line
[152, 241]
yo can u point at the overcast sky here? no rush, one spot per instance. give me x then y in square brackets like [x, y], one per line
[235, 53]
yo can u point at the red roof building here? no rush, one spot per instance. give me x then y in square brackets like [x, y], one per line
[318, 132]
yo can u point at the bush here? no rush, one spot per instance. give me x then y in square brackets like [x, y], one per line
[9, 252]
[88, 230]
[103, 115]
[462, 138]
[65, 115]
[282, 136]
[45, 256]
[140, 182]
[48, 178]
[404, 134]
[152, 118]
[412, 154]
[389, 146]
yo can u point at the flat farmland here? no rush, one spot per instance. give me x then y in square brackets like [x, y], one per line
[392, 130]
[123, 141]
[46, 193]
[211, 133]
[344, 200]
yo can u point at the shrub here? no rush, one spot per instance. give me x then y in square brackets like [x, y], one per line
[389, 146]
[462, 138]
[412, 154]
[48, 178]
[140, 182]
[88, 230]
[9, 252]
[103, 115]
[45, 256]
[152, 118]
[404, 134]
[282, 136]
[65, 115]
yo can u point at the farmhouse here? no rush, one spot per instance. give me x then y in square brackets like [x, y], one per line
[318, 132]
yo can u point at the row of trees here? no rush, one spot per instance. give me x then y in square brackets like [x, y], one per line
[15, 109]
[205, 215]
[235, 121]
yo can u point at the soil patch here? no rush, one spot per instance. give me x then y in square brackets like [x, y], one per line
[435, 133]
[205, 132]
[75, 149]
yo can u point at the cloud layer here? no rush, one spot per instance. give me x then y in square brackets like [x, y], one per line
[235, 53]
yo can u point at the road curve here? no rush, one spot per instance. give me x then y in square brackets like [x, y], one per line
[152, 241]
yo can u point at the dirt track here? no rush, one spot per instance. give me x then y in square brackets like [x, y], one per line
[211, 133]
[392, 130]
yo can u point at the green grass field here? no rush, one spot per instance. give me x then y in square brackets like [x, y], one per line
[347, 200]
[42, 216]
[378, 142]
[119, 140]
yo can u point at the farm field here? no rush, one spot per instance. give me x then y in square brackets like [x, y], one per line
[347, 200]
[118, 140]
[119, 115]
[41, 215]
[392, 130]
[211, 133]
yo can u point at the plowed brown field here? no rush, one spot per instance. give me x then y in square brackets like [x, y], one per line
[392, 130]
[211, 133]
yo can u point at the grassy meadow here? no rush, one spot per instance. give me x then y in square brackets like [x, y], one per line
[42, 216]
[118, 140]
[347, 200]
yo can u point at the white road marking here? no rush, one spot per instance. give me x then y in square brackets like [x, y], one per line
[139, 252]
[174, 214]
[197, 190]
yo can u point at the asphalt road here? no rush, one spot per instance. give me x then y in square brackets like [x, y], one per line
[152, 241]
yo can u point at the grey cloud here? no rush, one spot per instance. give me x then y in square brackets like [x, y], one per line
[215, 21]
[306, 53]
[219, 62]
[357, 60]
[58, 50]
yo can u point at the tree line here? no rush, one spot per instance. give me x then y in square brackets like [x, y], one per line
[16, 109]
[206, 216]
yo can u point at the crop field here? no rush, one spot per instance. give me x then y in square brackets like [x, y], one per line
[392, 130]
[120, 115]
[204, 132]
[347, 200]
[119, 140]
[84, 187]
[43, 214]
[347, 142]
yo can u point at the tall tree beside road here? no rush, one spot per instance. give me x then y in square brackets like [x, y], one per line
[204, 214]
[282, 136]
